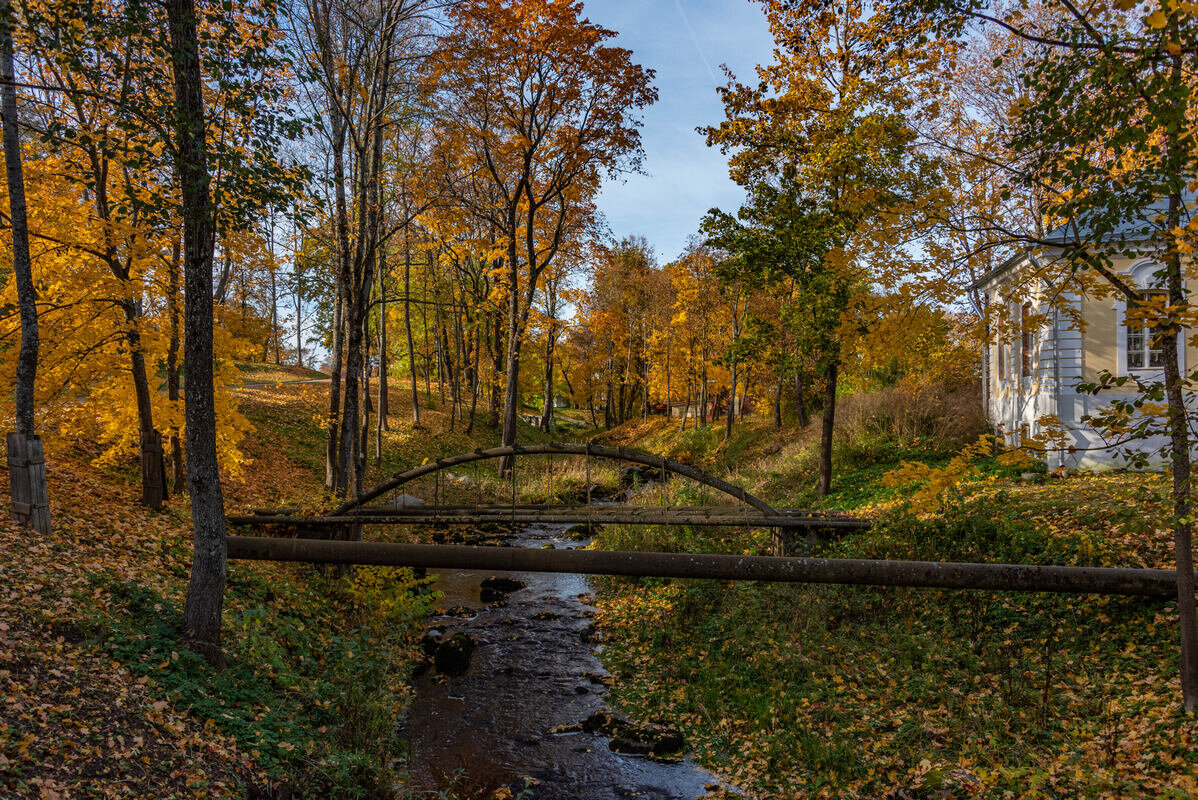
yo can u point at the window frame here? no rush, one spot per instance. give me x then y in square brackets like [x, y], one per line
[1150, 358]
[1026, 341]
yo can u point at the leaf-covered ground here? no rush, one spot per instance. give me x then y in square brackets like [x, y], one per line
[98, 699]
[851, 692]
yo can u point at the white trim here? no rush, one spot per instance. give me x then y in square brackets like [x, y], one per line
[1140, 274]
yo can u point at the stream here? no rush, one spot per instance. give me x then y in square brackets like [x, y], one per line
[534, 671]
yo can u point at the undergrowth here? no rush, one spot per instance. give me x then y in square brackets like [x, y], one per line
[909, 694]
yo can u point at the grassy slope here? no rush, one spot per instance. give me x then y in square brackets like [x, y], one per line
[254, 372]
[98, 699]
[824, 691]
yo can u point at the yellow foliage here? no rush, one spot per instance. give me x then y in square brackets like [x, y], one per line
[935, 482]
[89, 318]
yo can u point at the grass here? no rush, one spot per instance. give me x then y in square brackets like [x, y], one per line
[851, 692]
[256, 372]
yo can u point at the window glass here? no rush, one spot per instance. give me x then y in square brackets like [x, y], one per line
[1142, 351]
[1026, 341]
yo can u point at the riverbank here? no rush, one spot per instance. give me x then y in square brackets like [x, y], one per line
[98, 698]
[850, 692]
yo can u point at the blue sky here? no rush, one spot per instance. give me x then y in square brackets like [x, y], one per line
[686, 41]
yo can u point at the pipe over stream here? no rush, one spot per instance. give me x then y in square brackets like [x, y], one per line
[925, 574]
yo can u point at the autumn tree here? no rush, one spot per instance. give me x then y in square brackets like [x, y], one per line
[830, 118]
[1104, 142]
[539, 108]
[206, 588]
[22, 267]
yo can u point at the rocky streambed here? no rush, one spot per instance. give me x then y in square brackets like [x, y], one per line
[513, 696]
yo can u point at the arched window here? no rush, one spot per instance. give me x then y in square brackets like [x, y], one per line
[1027, 341]
[1140, 349]
[1143, 351]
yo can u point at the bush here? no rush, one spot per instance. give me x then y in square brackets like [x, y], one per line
[978, 530]
[911, 414]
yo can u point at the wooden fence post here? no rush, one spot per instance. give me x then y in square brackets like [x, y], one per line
[153, 470]
[27, 482]
[18, 477]
[39, 499]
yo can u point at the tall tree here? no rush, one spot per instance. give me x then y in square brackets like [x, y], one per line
[22, 265]
[830, 118]
[540, 108]
[206, 589]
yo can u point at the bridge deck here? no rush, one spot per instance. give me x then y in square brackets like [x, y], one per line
[732, 516]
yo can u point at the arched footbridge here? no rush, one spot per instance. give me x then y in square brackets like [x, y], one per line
[331, 537]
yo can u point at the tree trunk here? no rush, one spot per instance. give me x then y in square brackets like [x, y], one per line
[331, 445]
[511, 388]
[550, 344]
[778, 404]
[496, 348]
[350, 405]
[407, 322]
[22, 263]
[1179, 446]
[274, 297]
[686, 409]
[172, 361]
[150, 467]
[472, 378]
[383, 401]
[206, 589]
[732, 387]
[828, 427]
[297, 275]
[800, 403]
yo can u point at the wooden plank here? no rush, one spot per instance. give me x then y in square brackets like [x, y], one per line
[39, 499]
[18, 476]
[153, 471]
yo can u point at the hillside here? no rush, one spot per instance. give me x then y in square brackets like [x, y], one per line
[832, 691]
[98, 698]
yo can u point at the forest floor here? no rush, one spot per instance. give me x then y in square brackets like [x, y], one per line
[788, 691]
[794, 691]
[99, 699]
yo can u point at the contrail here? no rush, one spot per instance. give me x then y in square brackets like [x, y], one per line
[698, 49]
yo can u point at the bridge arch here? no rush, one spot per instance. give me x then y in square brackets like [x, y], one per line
[559, 448]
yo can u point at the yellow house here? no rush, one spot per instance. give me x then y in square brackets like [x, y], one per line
[1046, 340]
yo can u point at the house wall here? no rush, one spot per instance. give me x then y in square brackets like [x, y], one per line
[1063, 357]
[1100, 337]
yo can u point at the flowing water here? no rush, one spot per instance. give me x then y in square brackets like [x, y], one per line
[534, 669]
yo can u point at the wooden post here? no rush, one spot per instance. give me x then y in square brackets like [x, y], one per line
[27, 482]
[153, 470]
[18, 477]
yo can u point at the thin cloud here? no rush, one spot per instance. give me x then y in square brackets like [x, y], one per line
[695, 39]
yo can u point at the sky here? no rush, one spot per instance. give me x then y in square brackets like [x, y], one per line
[685, 41]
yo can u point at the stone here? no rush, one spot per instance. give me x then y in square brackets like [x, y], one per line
[634, 738]
[405, 500]
[629, 746]
[503, 584]
[578, 531]
[492, 597]
[429, 642]
[453, 654]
